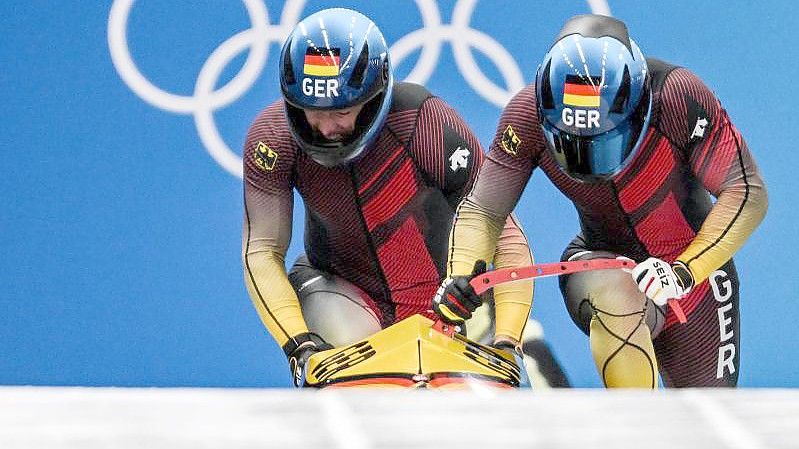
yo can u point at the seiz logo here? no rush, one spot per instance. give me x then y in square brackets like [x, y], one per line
[661, 272]
[320, 88]
[580, 118]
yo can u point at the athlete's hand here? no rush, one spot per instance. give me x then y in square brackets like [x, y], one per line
[659, 281]
[455, 299]
[298, 357]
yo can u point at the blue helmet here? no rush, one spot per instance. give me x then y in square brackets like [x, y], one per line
[333, 59]
[593, 96]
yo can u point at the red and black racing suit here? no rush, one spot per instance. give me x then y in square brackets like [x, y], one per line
[380, 222]
[658, 205]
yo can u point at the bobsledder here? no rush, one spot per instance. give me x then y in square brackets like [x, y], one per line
[420, 353]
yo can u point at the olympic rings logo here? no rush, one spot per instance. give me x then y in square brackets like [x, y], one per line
[257, 39]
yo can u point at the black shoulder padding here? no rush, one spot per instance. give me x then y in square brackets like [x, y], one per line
[408, 96]
[658, 72]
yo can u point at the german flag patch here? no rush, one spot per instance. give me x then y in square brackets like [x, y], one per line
[321, 61]
[582, 91]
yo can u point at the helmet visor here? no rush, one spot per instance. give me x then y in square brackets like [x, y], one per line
[602, 155]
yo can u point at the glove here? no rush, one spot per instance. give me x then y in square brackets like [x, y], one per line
[661, 282]
[299, 349]
[455, 299]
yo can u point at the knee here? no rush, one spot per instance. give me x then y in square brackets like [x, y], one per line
[332, 307]
[337, 310]
[606, 292]
[612, 290]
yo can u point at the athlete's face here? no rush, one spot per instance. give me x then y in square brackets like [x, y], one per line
[335, 125]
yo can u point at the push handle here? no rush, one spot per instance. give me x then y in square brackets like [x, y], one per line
[491, 279]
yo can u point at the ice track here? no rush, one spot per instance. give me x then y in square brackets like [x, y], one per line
[122, 418]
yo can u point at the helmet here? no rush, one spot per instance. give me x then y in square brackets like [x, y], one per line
[593, 97]
[336, 58]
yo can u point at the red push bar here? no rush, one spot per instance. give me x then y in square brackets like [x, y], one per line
[491, 279]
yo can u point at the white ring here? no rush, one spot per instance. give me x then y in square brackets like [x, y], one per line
[205, 100]
[129, 72]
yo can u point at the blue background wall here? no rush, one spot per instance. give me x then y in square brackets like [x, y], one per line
[120, 234]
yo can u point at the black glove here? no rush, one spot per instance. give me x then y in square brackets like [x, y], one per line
[455, 299]
[299, 349]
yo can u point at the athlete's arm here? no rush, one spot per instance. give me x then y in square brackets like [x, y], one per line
[514, 300]
[268, 202]
[456, 174]
[510, 249]
[720, 159]
[482, 216]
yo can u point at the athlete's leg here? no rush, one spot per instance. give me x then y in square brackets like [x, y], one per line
[337, 310]
[542, 367]
[619, 320]
[704, 352]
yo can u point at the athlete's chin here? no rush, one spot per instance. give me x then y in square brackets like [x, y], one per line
[332, 139]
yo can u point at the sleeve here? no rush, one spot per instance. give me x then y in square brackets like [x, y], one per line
[268, 204]
[456, 174]
[514, 300]
[481, 216]
[484, 227]
[720, 159]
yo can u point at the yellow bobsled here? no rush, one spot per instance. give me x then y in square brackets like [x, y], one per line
[414, 353]
[418, 353]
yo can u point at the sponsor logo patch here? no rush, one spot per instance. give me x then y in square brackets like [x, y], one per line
[459, 158]
[699, 128]
[264, 157]
[510, 141]
[699, 121]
